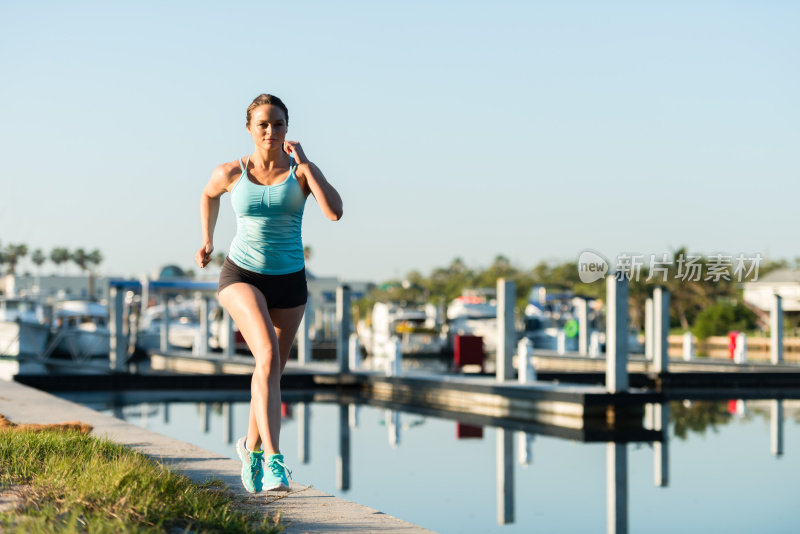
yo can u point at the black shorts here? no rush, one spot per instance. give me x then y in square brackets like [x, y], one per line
[281, 290]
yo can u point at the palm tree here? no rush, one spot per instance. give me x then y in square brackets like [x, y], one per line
[59, 255]
[80, 258]
[94, 258]
[38, 258]
[13, 254]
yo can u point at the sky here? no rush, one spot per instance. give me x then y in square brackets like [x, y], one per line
[535, 130]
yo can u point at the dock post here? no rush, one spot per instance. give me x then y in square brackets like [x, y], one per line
[343, 327]
[616, 334]
[660, 330]
[525, 444]
[776, 427]
[230, 347]
[505, 476]
[582, 310]
[355, 352]
[740, 353]
[525, 371]
[303, 343]
[227, 422]
[661, 448]
[616, 488]
[506, 333]
[343, 461]
[648, 329]
[776, 330]
[594, 345]
[561, 342]
[303, 432]
[165, 324]
[688, 346]
[394, 360]
[393, 424]
[201, 343]
[119, 345]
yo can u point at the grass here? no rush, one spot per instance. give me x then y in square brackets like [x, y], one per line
[74, 482]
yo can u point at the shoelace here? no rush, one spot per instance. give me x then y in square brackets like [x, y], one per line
[278, 468]
[256, 464]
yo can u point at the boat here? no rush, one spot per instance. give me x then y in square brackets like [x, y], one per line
[219, 326]
[81, 329]
[474, 313]
[23, 327]
[184, 326]
[541, 329]
[415, 325]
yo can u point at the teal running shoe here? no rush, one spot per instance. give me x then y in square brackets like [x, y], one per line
[276, 473]
[252, 467]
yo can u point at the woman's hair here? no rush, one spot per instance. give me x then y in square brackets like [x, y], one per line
[264, 98]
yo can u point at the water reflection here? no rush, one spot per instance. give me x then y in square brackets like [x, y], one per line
[513, 446]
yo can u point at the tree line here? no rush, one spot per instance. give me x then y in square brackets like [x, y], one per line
[12, 254]
[689, 297]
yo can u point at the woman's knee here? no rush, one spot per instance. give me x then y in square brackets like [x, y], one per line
[267, 372]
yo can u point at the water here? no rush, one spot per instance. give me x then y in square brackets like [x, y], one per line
[721, 471]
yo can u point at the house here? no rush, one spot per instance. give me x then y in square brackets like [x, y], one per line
[783, 282]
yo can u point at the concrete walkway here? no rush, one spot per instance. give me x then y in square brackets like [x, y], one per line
[304, 509]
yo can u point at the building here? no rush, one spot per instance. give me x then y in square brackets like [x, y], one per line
[783, 282]
[57, 286]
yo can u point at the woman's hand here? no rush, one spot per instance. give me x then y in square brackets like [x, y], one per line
[294, 149]
[203, 256]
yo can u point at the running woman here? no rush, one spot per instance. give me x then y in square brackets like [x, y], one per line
[263, 281]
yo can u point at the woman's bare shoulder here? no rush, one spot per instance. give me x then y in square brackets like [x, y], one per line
[223, 178]
[228, 171]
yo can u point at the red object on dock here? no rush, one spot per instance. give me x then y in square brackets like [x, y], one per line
[468, 350]
[286, 410]
[464, 431]
[732, 343]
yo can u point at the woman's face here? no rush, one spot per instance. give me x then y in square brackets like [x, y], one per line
[268, 126]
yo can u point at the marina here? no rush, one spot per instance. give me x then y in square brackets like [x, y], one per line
[615, 404]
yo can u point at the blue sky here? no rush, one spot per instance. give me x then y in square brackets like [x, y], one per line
[530, 129]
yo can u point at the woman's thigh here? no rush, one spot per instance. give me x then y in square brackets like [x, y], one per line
[286, 322]
[248, 308]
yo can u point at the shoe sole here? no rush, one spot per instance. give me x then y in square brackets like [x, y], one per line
[278, 487]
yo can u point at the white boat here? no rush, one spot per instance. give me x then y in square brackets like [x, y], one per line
[184, 326]
[23, 330]
[540, 329]
[82, 329]
[415, 325]
[474, 314]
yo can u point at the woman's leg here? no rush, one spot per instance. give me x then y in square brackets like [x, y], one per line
[286, 322]
[248, 308]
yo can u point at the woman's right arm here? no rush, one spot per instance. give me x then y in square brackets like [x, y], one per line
[209, 210]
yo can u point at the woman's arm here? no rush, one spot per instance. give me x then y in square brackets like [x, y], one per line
[326, 195]
[209, 210]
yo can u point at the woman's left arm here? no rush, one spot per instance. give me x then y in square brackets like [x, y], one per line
[326, 195]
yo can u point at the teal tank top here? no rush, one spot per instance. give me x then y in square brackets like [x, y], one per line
[268, 224]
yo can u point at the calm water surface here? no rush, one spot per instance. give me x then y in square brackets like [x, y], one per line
[722, 473]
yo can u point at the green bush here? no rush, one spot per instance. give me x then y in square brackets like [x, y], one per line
[721, 318]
